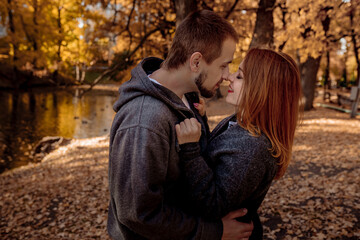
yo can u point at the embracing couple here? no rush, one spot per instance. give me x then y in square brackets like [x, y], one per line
[169, 177]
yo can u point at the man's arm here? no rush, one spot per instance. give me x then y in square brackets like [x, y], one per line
[234, 229]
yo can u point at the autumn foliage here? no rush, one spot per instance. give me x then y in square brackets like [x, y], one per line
[87, 41]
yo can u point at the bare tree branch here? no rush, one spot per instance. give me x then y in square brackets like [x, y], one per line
[205, 6]
[284, 11]
[127, 27]
[231, 9]
[115, 13]
[116, 66]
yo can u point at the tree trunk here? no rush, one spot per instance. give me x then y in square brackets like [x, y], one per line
[36, 27]
[327, 83]
[354, 41]
[356, 53]
[308, 73]
[83, 73]
[309, 69]
[326, 26]
[15, 80]
[284, 11]
[264, 27]
[58, 53]
[77, 73]
[183, 8]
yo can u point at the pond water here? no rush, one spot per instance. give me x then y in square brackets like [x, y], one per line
[28, 116]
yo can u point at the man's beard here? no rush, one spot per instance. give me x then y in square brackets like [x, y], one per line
[203, 91]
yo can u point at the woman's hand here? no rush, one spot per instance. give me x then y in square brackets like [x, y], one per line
[188, 131]
[201, 106]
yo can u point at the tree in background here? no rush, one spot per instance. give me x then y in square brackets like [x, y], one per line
[354, 12]
[43, 41]
[183, 8]
[59, 41]
[136, 29]
[304, 31]
[264, 25]
[150, 32]
[354, 29]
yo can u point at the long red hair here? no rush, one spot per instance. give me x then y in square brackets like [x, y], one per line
[270, 101]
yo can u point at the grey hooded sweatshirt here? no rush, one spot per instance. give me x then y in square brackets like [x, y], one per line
[147, 191]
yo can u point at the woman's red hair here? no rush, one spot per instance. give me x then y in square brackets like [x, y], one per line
[270, 101]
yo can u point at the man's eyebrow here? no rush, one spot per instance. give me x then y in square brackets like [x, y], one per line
[228, 62]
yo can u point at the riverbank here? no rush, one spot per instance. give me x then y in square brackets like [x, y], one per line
[66, 195]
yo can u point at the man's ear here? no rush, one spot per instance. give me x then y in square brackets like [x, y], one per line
[195, 61]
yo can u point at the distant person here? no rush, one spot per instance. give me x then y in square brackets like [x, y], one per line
[147, 191]
[250, 148]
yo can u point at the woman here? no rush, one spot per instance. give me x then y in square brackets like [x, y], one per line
[250, 148]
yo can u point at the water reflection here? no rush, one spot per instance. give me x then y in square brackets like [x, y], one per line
[27, 117]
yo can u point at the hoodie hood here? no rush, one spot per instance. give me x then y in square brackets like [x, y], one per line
[140, 84]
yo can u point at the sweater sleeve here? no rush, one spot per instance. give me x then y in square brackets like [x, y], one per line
[137, 176]
[238, 171]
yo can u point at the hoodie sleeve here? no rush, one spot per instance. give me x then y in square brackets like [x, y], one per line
[239, 170]
[137, 175]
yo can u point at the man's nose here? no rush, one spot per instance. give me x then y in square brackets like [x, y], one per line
[230, 78]
[227, 79]
[226, 76]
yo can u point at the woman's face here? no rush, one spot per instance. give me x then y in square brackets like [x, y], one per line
[235, 87]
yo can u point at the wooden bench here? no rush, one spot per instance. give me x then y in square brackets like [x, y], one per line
[343, 100]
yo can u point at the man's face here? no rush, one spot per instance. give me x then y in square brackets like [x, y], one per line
[213, 74]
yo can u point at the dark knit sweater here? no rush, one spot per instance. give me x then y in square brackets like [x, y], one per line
[236, 172]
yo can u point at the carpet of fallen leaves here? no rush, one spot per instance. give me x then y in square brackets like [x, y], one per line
[319, 196]
[66, 195]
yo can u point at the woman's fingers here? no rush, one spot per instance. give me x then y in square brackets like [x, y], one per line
[200, 106]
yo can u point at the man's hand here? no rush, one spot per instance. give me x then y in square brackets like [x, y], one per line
[234, 229]
[188, 131]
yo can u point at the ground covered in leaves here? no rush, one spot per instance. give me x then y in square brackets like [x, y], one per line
[319, 197]
[66, 196]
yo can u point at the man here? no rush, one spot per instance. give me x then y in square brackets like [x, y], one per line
[147, 196]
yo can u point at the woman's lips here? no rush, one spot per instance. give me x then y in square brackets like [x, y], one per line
[230, 89]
